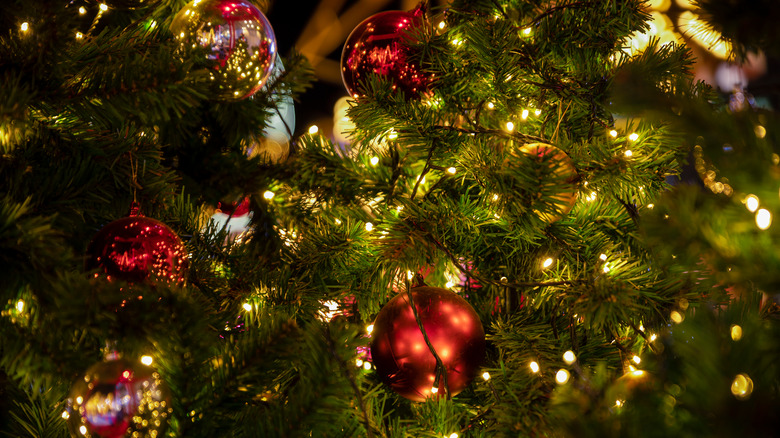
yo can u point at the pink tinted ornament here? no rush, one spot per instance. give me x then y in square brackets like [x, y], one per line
[119, 398]
[378, 46]
[238, 40]
[401, 356]
[137, 249]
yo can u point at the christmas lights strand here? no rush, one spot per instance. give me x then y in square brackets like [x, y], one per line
[495, 132]
[642, 333]
[348, 375]
[440, 370]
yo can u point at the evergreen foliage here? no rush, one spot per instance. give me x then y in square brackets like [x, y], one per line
[431, 184]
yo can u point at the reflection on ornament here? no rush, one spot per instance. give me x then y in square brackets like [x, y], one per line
[378, 46]
[239, 43]
[137, 249]
[275, 144]
[234, 218]
[562, 174]
[118, 398]
[403, 359]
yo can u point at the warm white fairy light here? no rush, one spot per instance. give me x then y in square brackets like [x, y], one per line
[763, 218]
[20, 306]
[629, 153]
[83, 430]
[367, 366]
[736, 332]
[524, 114]
[82, 10]
[490, 105]
[268, 195]
[751, 202]
[650, 206]
[247, 307]
[369, 226]
[527, 31]
[605, 269]
[451, 170]
[79, 35]
[146, 360]
[634, 136]
[537, 112]
[313, 129]
[65, 415]
[25, 26]
[510, 126]
[562, 376]
[486, 376]
[569, 357]
[613, 133]
[653, 337]
[442, 25]
[618, 403]
[359, 362]
[392, 135]
[637, 360]
[534, 367]
[603, 257]
[434, 390]
[338, 221]
[374, 161]
[495, 197]
[547, 263]
[453, 435]
[370, 328]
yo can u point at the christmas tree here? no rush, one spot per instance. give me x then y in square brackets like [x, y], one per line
[501, 250]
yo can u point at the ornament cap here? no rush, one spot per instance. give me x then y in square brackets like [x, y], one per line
[135, 209]
[418, 281]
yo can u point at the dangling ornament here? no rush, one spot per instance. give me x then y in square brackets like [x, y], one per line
[563, 174]
[275, 143]
[379, 45]
[119, 398]
[137, 249]
[238, 41]
[234, 217]
[402, 357]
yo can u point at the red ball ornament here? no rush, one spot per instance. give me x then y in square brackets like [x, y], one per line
[238, 40]
[403, 359]
[119, 398]
[377, 45]
[137, 249]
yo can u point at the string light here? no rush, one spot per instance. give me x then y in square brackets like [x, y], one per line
[569, 357]
[742, 386]
[359, 362]
[547, 263]
[562, 376]
[146, 360]
[434, 390]
[374, 161]
[83, 429]
[736, 332]
[451, 170]
[369, 226]
[763, 219]
[453, 435]
[510, 126]
[370, 328]
[527, 31]
[79, 35]
[629, 153]
[486, 376]
[490, 105]
[603, 257]
[637, 360]
[618, 403]
[268, 194]
[634, 136]
[537, 112]
[524, 114]
[65, 415]
[534, 367]
[751, 202]
[613, 133]
[247, 307]
[653, 337]
[25, 26]
[313, 129]
[82, 10]
[20, 305]
[367, 366]
[442, 25]
[650, 206]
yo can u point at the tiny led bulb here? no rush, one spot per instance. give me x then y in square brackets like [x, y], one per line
[82, 10]
[547, 263]
[490, 105]
[247, 307]
[453, 435]
[510, 126]
[374, 161]
[65, 415]
[486, 375]
[569, 357]
[636, 359]
[527, 31]
[634, 136]
[451, 170]
[146, 360]
[367, 366]
[751, 202]
[103, 7]
[369, 226]
[434, 390]
[603, 257]
[736, 332]
[534, 367]
[25, 26]
[629, 153]
[359, 362]
[562, 376]
[268, 194]
[20, 306]
[613, 133]
[763, 218]
[442, 25]
[83, 430]
[524, 114]
[313, 129]
[370, 328]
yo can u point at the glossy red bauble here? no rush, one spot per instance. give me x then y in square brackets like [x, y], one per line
[403, 359]
[378, 46]
[119, 398]
[137, 249]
